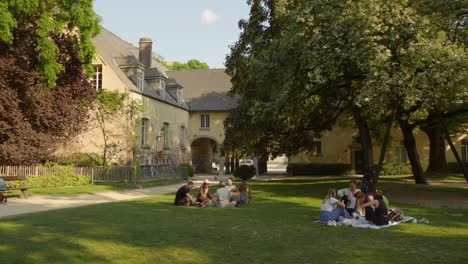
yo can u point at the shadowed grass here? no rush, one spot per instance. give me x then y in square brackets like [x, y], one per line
[277, 227]
[94, 188]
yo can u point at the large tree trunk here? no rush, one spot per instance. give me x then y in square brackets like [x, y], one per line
[367, 150]
[383, 149]
[452, 146]
[437, 159]
[413, 156]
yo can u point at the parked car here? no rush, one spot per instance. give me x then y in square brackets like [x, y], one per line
[247, 162]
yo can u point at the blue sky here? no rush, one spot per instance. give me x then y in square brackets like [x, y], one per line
[180, 29]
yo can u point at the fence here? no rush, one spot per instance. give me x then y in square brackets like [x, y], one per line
[149, 172]
[97, 174]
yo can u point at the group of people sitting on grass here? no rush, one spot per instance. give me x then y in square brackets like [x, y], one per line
[227, 195]
[354, 204]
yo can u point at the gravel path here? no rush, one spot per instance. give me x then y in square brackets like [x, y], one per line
[39, 203]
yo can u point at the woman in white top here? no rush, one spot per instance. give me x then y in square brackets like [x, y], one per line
[331, 208]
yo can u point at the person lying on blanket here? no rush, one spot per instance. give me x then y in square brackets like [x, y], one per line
[375, 209]
[331, 209]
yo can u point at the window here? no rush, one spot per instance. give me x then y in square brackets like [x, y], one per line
[144, 131]
[162, 88]
[317, 148]
[140, 79]
[182, 136]
[400, 153]
[205, 121]
[464, 150]
[165, 135]
[178, 96]
[96, 80]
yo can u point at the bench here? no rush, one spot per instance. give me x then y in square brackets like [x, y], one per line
[24, 189]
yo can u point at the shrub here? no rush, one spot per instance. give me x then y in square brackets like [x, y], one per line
[245, 172]
[185, 171]
[455, 168]
[311, 169]
[80, 160]
[398, 168]
[64, 178]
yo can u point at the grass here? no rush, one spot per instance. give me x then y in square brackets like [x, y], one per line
[94, 188]
[277, 227]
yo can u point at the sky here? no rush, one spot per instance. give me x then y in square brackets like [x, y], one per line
[180, 29]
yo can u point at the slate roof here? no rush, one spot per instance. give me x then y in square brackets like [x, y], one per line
[206, 90]
[116, 52]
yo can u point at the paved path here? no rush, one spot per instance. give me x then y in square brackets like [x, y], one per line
[39, 203]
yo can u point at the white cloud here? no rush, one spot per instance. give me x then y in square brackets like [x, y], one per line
[208, 17]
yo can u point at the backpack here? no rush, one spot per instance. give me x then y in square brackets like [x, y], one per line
[395, 215]
[3, 199]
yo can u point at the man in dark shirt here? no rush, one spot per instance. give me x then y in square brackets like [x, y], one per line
[183, 196]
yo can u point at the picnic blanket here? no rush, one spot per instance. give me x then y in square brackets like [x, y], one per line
[364, 224]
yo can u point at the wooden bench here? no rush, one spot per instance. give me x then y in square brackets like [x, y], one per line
[24, 189]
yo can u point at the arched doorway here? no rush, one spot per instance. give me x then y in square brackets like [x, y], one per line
[203, 153]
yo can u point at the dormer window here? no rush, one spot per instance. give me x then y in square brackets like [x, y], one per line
[178, 96]
[162, 88]
[140, 79]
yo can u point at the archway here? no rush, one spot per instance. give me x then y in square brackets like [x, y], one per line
[202, 154]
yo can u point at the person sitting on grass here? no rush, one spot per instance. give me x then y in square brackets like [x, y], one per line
[233, 190]
[331, 209]
[379, 214]
[183, 196]
[204, 196]
[223, 196]
[349, 196]
[244, 194]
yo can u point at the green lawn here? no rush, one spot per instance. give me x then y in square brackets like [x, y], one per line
[277, 227]
[95, 188]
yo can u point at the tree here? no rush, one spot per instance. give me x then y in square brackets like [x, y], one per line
[50, 21]
[109, 107]
[419, 71]
[43, 44]
[192, 64]
[299, 64]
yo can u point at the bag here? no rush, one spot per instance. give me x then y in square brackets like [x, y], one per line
[395, 215]
[3, 186]
[3, 199]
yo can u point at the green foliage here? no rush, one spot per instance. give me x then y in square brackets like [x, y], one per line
[244, 172]
[192, 64]
[52, 19]
[184, 170]
[80, 160]
[64, 178]
[318, 169]
[110, 101]
[110, 105]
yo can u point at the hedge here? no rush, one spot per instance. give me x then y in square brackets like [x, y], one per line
[306, 169]
[63, 179]
[245, 172]
[184, 170]
[455, 168]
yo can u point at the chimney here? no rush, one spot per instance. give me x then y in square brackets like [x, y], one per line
[145, 52]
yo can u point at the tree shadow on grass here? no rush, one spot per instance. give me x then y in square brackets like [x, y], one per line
[269, 230]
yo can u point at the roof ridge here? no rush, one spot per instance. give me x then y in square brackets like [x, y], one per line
[120, 38]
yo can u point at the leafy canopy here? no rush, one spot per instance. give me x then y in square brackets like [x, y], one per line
[52, 19]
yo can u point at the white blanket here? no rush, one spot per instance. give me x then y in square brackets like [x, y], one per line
[365, 224]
